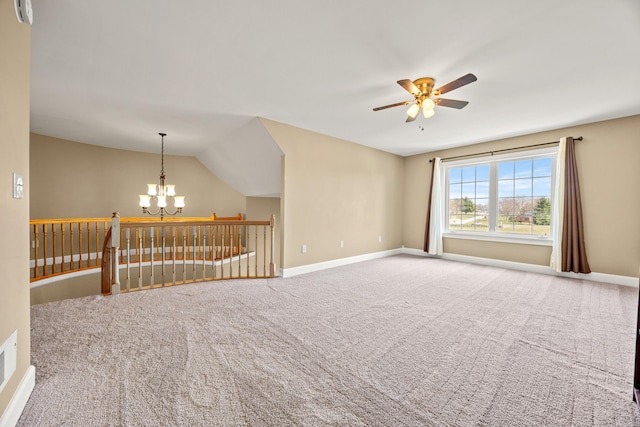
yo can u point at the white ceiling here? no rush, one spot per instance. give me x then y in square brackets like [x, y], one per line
[115, 73]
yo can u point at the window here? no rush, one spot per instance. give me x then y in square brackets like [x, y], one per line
[506, 196]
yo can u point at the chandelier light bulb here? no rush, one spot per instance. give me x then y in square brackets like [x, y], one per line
[145, 200]
[152, 189]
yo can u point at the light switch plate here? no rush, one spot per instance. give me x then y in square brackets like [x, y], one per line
[18, 186]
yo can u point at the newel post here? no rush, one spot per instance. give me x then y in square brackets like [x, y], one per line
[115, 249]
[272, 265]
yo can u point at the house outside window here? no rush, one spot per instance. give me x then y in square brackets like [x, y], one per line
[504, 197]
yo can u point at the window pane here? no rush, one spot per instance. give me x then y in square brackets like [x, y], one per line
[482, 173]
[542, 216]
[542, 167]
[482, 208]
[455, 222]
[523, 187]
[505, 170]
[505, 206]
[469, 190]
[469, 174]
[454, 206]
[482, 189]
[480, 221]
[455, 175]
[505, 188]
[523, 168]
[542, 187]
[455, 191]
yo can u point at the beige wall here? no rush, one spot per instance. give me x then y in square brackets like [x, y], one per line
[609, 178]
[336, 190]
[71, 179]
[15, 42]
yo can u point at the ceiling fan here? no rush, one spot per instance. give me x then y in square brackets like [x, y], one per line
[422, 90]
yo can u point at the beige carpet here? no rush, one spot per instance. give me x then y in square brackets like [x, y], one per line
[402, 341]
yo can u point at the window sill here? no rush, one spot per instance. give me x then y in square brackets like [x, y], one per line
[500, 237]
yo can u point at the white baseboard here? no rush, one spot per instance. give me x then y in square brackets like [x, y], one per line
[533, 268]
[294, 271]
[19, 400]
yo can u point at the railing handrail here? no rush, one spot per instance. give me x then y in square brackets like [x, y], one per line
[213, 217]
[187, 222]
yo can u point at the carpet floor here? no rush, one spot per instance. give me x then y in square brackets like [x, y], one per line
[400, 341]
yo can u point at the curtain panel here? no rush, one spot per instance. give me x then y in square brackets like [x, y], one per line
[569, 251]
[435, 224]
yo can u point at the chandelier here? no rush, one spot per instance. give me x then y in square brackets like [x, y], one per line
[161, 194]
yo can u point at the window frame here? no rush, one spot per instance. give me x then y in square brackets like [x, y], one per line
[493, 160]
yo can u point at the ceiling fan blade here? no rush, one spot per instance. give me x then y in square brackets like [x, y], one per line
[409, 86]
[464, 80]
[397, 104]
[453, 103]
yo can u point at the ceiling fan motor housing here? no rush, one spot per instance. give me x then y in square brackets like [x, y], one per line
[425, 85]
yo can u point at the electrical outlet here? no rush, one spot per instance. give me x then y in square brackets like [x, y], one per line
[379, 239]
[342, 243]
[304, 249]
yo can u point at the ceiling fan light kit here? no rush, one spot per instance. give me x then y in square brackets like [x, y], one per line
[422, 91]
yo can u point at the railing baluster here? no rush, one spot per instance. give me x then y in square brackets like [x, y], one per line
[62, 246]
[80, 245]
[215, 255]
[151, 236]
[128, 239]
[88, 247]
[204, 256]
[212, 249]
[140, 249]
[264, 251]
[36, 244]
[96, 242]
[71, 232]
[44, 246]
[164, 244]
[194, 257]
[184, 258]
[222, 250]
[272, 265]
[173, 257]
[53, 248]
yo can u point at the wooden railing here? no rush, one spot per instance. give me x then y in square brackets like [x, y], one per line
[68, 245]
[149, 254]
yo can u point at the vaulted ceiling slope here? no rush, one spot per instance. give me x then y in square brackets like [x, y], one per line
[114, 73]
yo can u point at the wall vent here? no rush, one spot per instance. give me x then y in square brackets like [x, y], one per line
[8, 353]
[1, 368]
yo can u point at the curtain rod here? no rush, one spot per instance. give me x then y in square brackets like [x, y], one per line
[504, 149]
